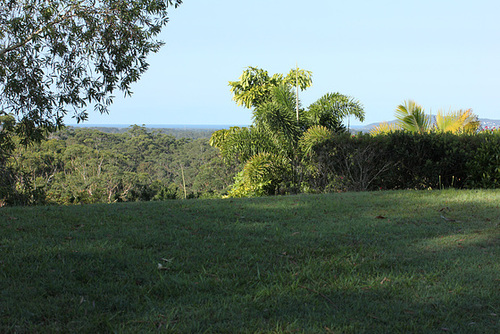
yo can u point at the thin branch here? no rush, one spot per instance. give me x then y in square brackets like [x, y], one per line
[35, 33]
[69, 14]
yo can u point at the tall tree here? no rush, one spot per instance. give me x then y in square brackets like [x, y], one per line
[254, 85]
[270, 149]
[62, 56]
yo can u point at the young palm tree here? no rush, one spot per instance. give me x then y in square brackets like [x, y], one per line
[457, 121]
[269, 149]
[254, 85]
[411, 117]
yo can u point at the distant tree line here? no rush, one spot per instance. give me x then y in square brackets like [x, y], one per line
[177, 132]
[77, 166]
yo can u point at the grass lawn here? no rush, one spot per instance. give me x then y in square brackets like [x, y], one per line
[374, 262]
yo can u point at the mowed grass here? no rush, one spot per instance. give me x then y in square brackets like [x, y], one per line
[377, 262]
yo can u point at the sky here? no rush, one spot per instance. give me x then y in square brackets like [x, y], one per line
[443, 54]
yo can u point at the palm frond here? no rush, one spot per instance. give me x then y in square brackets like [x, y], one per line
[332, 108]
[411, 117]
[299, 77]
[276, 119]
[447, 122]
[252, 87]
[457, 121]
[261, 175]
[383, 128]
[241, 143]
[314, 136]
[218, 137]
[264, 168]
[284, 96]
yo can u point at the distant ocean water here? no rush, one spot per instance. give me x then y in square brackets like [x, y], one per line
[157, 126]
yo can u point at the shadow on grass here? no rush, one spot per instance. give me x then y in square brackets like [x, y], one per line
[349, 263]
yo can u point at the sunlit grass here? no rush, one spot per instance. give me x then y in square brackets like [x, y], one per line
[380, 262]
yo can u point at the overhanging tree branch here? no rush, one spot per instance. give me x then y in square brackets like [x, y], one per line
[71, 54]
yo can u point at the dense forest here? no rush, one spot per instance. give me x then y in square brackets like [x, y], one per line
[79, 165]
[191, 132]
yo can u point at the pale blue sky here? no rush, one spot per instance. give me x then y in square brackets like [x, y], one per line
[441, 53]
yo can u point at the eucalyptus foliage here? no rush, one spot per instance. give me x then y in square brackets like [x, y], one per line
[81, 166]
[63, 56]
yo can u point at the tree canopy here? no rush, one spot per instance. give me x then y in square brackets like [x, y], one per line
[255, 84]
[63, 56]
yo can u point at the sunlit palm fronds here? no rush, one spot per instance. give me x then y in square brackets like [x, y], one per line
[384, 128]
[457, 121]
[241, 143]
[411, 117]
[276, 119]
[254, 85]
[297, 76]
[314, 136]
[261, 175]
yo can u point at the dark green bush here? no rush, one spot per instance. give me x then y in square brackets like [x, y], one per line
[403, 160]
[348, 162]
[484, 165]
[430, 160]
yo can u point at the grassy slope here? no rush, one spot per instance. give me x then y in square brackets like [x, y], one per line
[418, 262]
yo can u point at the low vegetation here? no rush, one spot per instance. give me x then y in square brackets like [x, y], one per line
[366, 262]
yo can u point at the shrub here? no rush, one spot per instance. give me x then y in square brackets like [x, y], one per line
[346, 162]
[484, 165]
[403, 160]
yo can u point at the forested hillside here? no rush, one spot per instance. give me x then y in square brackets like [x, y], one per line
[89, 166]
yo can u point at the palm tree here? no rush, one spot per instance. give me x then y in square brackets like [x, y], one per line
[270, 149]
[266, 149]
[411, 117]
[254, 85]
[457, 121]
